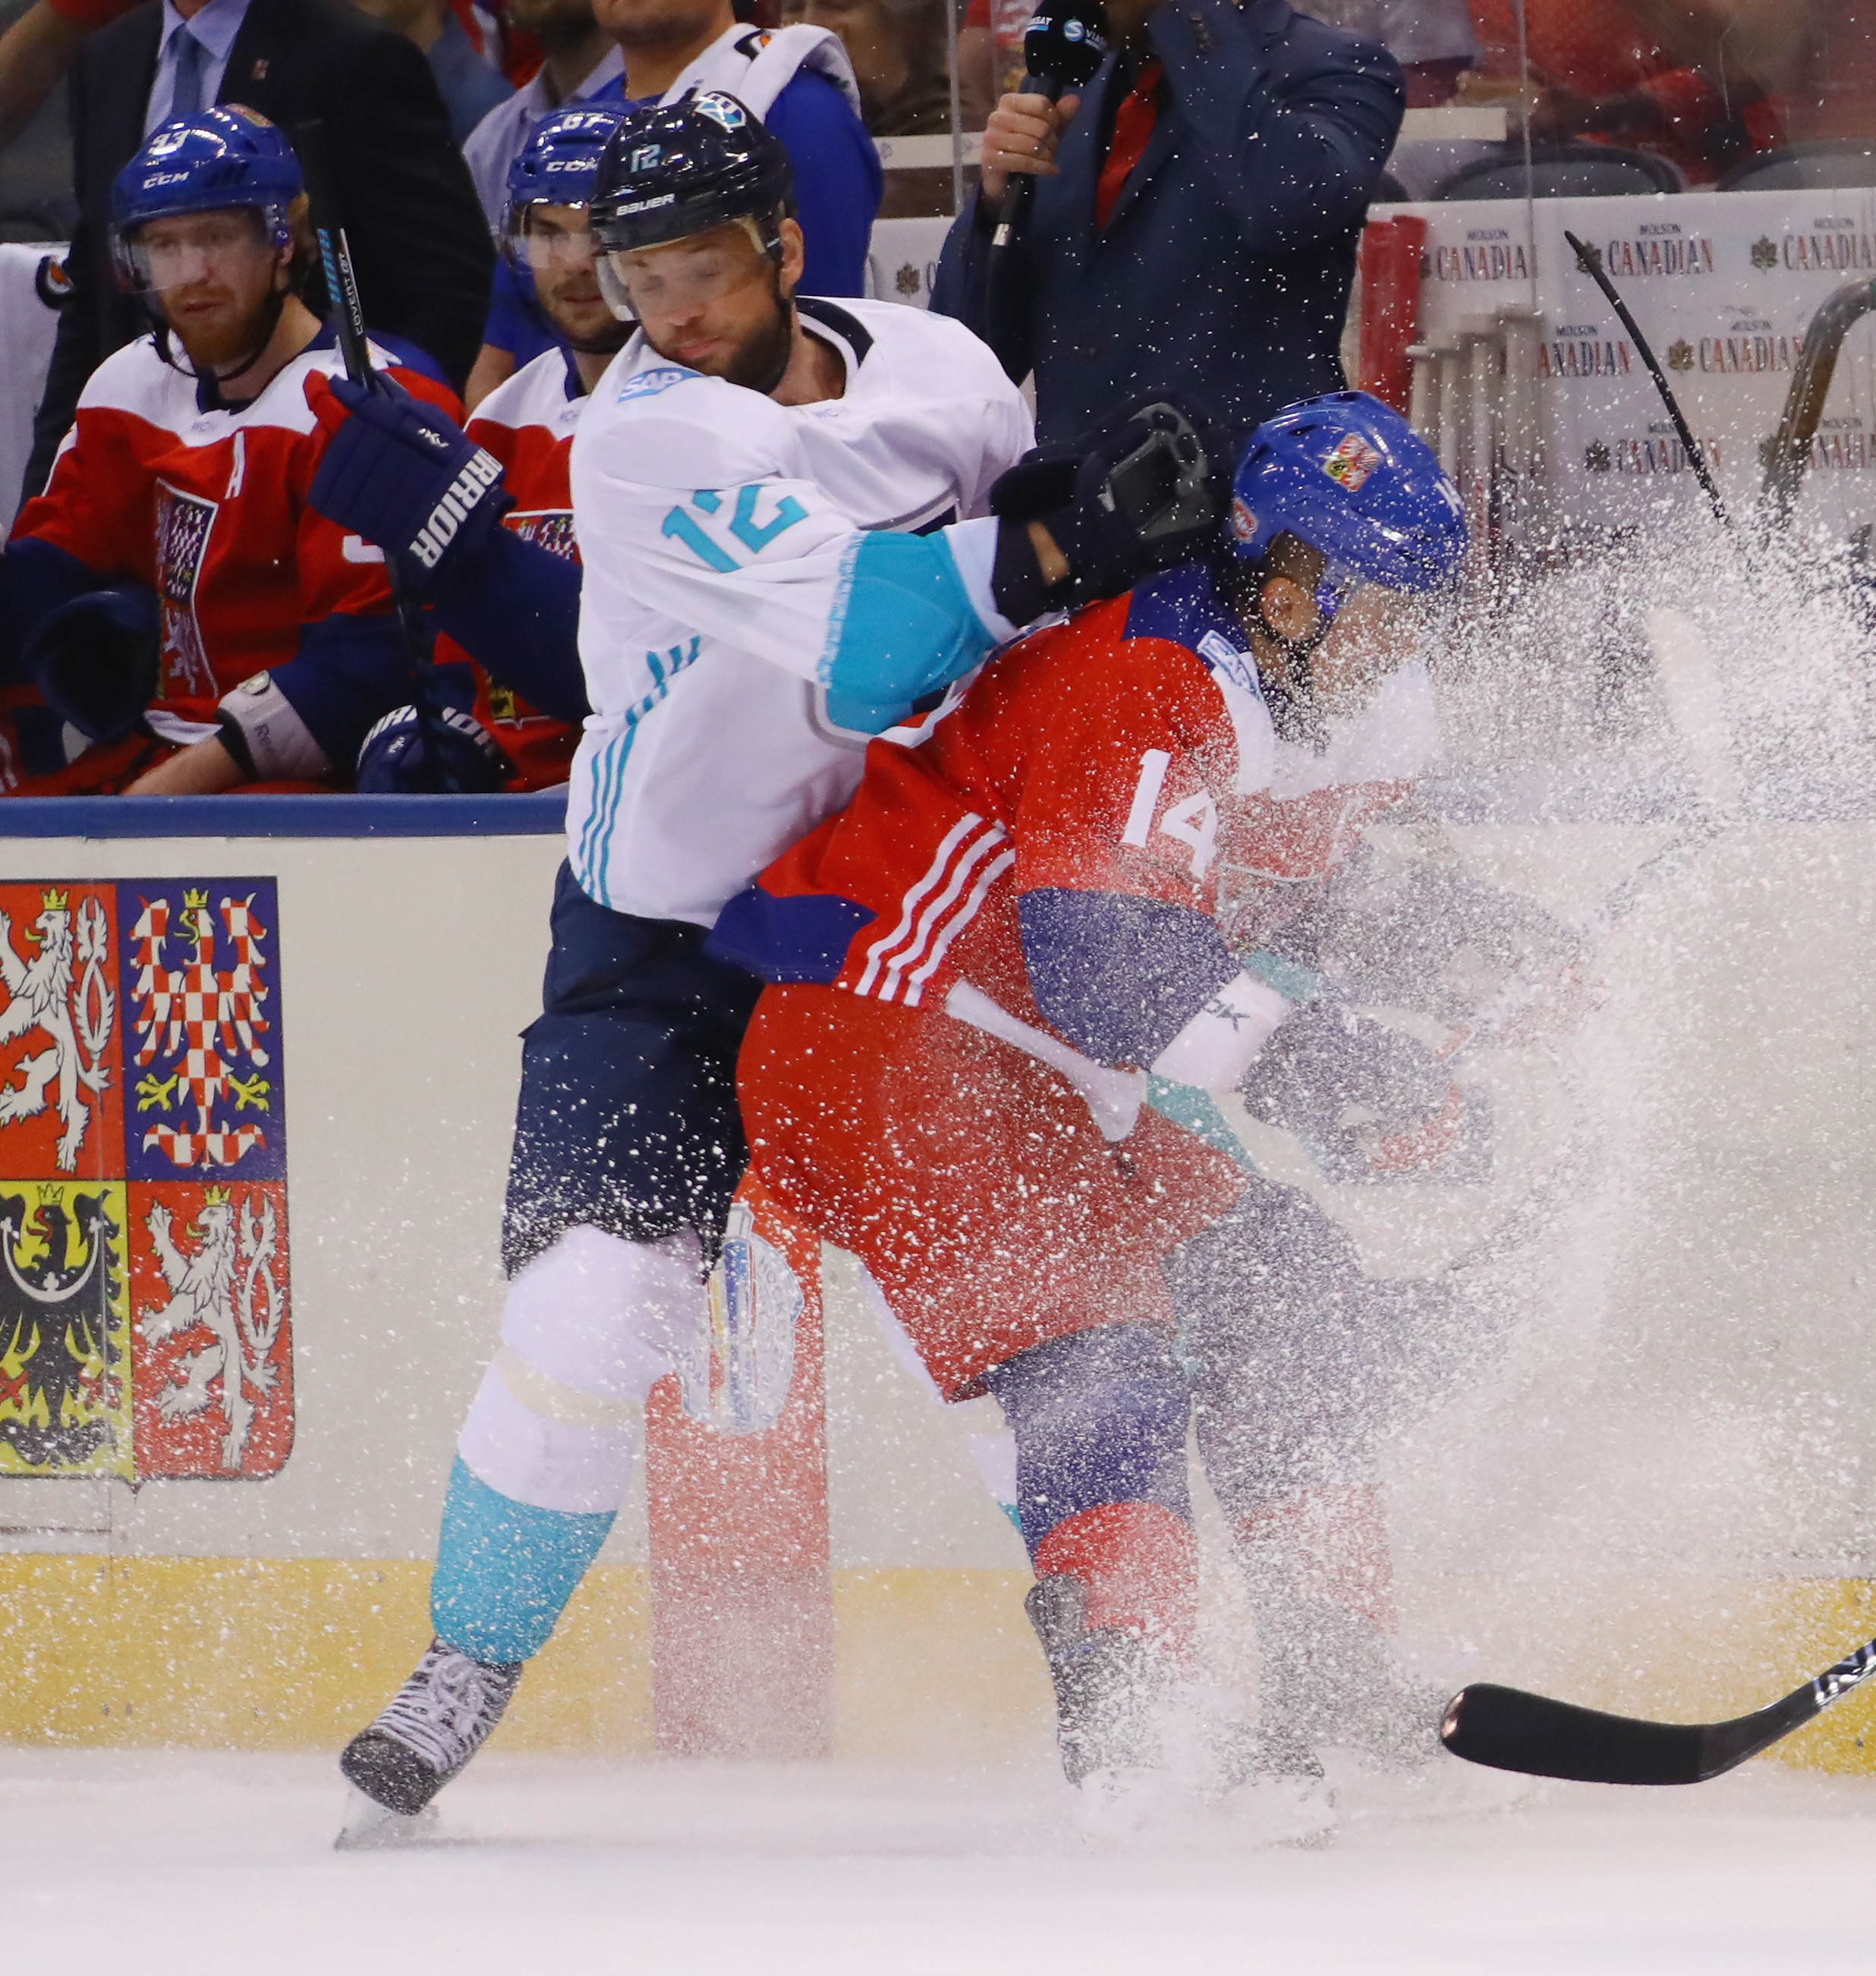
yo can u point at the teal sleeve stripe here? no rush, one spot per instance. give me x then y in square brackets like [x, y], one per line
[901, 626]
[506, 1570]
[1294, 983]
[1197, 1111]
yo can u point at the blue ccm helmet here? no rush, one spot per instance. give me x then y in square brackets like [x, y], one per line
[217, 159]
[559, 163]
[1348, 475]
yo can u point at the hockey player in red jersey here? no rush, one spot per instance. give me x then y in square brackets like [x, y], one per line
[1031, 904]
[517, 610]
[190, 622]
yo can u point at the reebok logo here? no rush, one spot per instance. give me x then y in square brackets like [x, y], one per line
[460, 499]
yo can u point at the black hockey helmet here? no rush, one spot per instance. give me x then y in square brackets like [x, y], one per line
[683, 168]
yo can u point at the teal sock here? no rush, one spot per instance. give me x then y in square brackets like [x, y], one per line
[505, 1570]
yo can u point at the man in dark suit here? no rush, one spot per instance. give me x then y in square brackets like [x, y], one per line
[1197, 228]
[418, 238]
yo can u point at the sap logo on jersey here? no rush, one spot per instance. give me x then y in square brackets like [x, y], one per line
[649, 384]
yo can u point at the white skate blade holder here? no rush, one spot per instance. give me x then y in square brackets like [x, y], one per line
[368, 1826]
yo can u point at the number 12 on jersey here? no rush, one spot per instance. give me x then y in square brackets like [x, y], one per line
[681, 525]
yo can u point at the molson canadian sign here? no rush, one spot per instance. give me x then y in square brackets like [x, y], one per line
[1725, 286]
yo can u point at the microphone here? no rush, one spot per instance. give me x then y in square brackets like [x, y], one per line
[1064, 48]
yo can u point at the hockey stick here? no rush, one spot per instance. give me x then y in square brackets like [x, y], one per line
[1506, 1729]
[1591, 262]
[315, 157]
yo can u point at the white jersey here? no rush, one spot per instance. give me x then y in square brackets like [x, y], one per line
[744, 636]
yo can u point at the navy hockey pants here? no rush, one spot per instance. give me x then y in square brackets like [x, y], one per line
[627, 1120]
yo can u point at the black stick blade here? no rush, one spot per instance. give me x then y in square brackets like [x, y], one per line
[1506, 1729]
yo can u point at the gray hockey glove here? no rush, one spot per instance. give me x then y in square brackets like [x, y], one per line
[1368, 1102]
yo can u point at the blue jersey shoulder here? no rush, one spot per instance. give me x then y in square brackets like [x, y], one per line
[838, 181]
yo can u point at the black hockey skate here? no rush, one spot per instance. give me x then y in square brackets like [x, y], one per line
[1110, 1686]
[434, 1724]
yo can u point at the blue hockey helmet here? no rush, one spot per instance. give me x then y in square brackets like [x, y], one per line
[216, 161]
[1348, 475]
[559, 163]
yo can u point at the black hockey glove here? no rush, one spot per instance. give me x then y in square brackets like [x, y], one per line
[95, 660]
[1354, 1089]
[1143, 491]
[399, 473]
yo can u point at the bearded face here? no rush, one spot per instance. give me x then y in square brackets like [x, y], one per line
[217, 278]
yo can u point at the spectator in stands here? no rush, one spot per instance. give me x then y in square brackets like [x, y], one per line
[798, 80]
[577, 57]
[1667, 76]
[1197, 228]
[470, 87]
[422, 249]
[897, 48]
[1433, 40]
[189, 621]
[35, 51]
[1820, 61]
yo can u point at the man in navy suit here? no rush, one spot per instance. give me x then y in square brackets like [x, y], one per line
[1196, 220]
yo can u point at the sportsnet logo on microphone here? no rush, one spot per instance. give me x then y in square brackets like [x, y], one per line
[461, 498]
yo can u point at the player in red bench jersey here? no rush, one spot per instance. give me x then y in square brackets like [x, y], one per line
[191, 623]
[526, 603]
[1030, 905]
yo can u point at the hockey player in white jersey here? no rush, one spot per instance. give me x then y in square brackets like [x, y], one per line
[781, 510]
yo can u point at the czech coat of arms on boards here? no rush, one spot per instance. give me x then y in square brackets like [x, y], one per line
[144, 1321]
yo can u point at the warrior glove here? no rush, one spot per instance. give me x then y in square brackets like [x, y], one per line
[1357, 1091]
[399, 473]
[396, 758]
[1142, 490]
[95, 660]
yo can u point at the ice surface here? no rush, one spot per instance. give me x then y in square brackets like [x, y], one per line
[165, 1863]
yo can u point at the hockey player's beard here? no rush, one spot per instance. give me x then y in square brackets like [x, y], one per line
[225, 346]
[759, 363]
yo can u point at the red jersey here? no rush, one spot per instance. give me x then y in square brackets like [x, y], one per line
[528, 423]
[1130, 750]
[208, 509]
